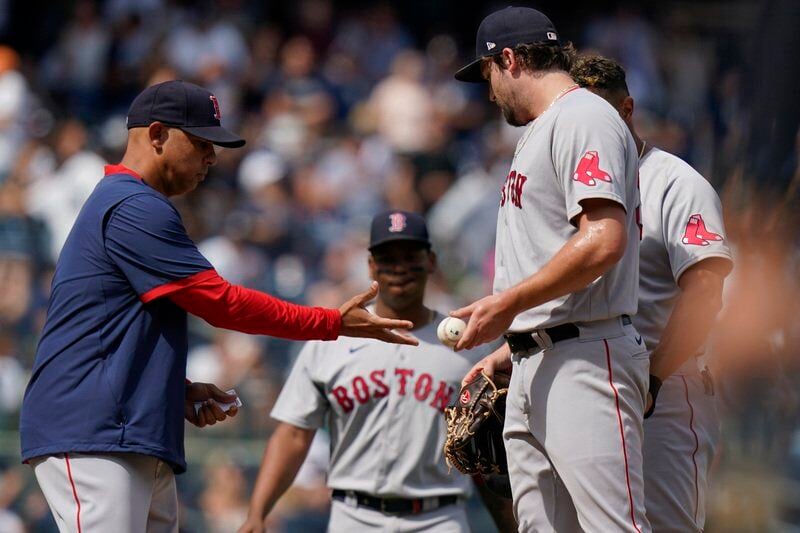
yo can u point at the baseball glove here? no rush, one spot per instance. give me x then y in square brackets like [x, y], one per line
[474, 443]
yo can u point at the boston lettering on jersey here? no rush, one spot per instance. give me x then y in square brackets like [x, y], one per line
[361, 389]
[512, 189]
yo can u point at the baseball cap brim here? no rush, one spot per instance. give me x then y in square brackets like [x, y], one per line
[215, 134]
[398, 238]
[472, 72]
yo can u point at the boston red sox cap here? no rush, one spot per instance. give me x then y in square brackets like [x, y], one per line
[182, 105]
[398, 225]
[506, 29]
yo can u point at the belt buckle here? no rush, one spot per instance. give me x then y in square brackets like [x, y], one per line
[351, 499]
[542, 339]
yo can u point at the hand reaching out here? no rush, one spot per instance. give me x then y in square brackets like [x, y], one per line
[358, 322]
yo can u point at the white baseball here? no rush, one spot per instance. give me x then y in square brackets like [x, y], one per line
[450, 330]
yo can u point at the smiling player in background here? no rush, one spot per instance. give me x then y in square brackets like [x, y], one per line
[383, 406]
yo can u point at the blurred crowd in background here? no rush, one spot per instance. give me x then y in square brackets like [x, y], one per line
[350, 108]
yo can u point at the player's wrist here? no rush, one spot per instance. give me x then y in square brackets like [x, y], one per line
[511, 301]
[653, 388]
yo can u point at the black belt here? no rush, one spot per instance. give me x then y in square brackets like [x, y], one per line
[395, 505]
[525, 342]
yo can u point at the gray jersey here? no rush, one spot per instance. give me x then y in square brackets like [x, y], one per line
[682, 218]
[383, 404]
[578, 149]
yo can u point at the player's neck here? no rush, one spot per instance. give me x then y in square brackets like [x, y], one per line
[545, 89]
[641, 146]
[418, 314]
[145, 167]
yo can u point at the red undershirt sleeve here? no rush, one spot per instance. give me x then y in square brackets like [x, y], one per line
[228, 306]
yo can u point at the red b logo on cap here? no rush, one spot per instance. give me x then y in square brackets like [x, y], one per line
[397, 222]
[217, 112]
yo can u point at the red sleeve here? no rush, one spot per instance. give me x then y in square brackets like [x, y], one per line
[234, 307]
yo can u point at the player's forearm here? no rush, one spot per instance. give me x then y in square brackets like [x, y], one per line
[585, 257]
[283, 457]
[691, 320]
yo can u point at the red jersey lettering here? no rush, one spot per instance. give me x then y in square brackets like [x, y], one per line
[404, 373]
[423, 387]
[344, 401]
[442, 397]
[376, 376]
[360, 390]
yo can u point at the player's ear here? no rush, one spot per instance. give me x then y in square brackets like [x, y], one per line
[509, 60]
[626, 109]
[373, 268]
[157, 134]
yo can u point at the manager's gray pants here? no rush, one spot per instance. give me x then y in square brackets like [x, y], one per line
[119, 492]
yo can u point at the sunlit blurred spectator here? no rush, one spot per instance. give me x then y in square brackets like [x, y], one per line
[10, 522]
[206, 46]
[56, 196]
[22, 241]
[375, 37]
[12, 374]
[225, 500]
[632, 40]
[227, 360]
[403, 106]
[14, 98]
[11, 485]
[76, 66]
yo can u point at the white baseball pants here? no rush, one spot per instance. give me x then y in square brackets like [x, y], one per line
[679, 444]
[573, 432]
[120, 492]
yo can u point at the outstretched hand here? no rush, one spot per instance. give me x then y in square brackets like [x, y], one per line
[210, 413]
[487, 319]
[358, 322]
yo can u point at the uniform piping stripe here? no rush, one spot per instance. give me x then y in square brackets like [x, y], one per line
[696, 447]
[74, 492]
[621, 434]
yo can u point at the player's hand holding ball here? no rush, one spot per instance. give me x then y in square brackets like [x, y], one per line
[450, 330]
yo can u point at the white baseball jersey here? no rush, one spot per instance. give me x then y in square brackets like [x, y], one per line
[571, 153]
[383, 404]
[682, 217]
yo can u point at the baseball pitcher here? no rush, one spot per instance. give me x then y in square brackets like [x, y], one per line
[566, 272]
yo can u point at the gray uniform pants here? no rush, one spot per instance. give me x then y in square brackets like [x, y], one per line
[679, 443]
[119, 492]
[348, 519]
[574, 434]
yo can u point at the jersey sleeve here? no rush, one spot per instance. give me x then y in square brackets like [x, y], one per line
[145, 237]
[692, 222]
[228, 306]
[302, 401]
[589, 155]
